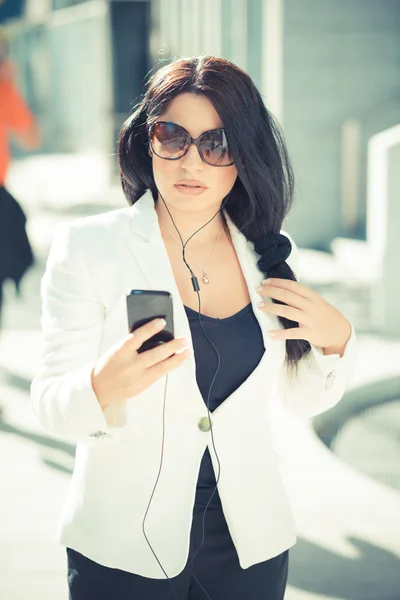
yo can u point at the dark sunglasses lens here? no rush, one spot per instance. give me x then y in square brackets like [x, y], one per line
[168, 140]
[214, 147]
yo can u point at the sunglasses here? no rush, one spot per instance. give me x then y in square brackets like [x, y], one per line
[171, 142]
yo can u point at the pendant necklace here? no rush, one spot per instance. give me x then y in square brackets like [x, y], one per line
[205, 277]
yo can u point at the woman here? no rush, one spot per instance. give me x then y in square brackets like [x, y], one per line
[208, 180]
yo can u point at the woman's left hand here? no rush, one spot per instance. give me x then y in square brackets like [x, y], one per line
[320, 323]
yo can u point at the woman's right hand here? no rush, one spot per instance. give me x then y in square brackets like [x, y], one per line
[123, 373]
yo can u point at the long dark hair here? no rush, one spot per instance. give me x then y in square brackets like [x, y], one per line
[263, 191]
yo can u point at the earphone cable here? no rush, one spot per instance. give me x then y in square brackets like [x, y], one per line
[196, 288]
[213, 443]
[154, 489]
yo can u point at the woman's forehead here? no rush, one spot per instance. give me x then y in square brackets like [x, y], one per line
[193, 112]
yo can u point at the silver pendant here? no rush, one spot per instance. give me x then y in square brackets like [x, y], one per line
[205, 278]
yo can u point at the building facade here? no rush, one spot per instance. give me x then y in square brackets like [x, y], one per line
[327, 69]
[81, 64]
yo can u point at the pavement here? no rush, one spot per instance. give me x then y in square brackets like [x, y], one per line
[347, 514]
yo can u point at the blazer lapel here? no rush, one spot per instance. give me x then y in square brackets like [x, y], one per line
[149, 252]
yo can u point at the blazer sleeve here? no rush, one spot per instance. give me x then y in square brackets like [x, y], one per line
[321, 379]
[62, 396]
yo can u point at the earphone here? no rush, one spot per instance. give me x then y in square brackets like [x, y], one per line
[196, 288]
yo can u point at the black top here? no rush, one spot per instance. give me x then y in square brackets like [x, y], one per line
[240, 345]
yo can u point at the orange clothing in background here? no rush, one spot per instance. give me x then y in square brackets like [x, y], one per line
[15, 116]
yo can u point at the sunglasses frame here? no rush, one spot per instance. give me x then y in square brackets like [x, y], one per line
[195, 141]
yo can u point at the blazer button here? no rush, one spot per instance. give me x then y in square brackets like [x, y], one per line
[204, 424]
[330, 380]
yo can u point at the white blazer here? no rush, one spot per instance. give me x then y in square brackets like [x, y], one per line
[92, 265]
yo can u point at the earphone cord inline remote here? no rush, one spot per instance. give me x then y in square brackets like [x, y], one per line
[196, 288]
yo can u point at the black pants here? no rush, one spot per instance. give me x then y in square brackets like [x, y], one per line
[216, 567]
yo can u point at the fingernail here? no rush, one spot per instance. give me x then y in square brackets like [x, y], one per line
[160, 323]
[271, 334]
[267, 280]
[260, 288]
[188, 348]
[261, 304]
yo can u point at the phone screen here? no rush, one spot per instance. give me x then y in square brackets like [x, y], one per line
[144, 306]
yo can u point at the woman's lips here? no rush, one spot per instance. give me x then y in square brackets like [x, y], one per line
[191, 190]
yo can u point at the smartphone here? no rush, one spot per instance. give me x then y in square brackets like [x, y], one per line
[144, 306]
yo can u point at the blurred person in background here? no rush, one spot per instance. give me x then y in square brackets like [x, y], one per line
[202, 160]
[16, 119]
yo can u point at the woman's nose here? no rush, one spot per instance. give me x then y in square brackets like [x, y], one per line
[192, 159]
